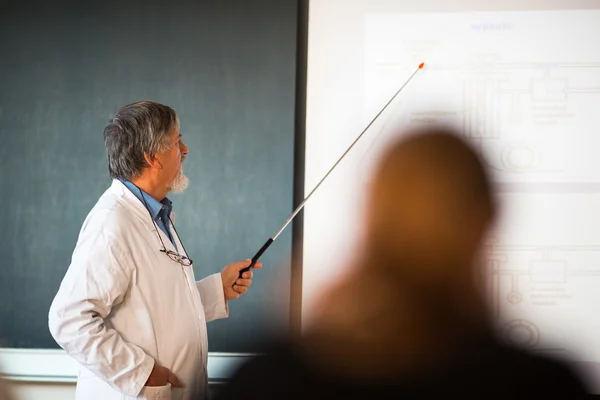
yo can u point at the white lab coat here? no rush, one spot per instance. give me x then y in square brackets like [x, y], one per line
[124, 304]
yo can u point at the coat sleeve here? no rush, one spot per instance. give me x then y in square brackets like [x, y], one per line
[95, 282]
[213, 297]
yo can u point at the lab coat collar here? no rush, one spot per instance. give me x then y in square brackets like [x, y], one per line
[123, 195]
[154, 206]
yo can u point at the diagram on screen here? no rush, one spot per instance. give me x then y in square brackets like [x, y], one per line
[530, 110]
[532, 288]
[524, 87]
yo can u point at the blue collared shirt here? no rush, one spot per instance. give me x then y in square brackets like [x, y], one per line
[159, 210]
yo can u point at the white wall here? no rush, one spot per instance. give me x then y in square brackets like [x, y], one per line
[42, 374]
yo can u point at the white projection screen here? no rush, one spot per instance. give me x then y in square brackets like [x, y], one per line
[522, 80]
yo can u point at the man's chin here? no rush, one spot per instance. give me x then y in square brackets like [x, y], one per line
[180, 184]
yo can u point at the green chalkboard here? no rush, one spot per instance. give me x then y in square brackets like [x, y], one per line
[227, 67]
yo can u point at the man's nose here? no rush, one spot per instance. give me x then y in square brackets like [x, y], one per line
[184, 149]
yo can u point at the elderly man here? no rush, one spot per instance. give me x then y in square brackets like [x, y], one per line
[129, 309]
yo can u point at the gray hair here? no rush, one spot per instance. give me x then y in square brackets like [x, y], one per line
[138, 128]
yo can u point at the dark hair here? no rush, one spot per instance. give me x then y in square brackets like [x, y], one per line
[446, 153]
[138, 128]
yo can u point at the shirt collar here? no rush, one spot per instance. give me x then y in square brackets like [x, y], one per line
[154, 206]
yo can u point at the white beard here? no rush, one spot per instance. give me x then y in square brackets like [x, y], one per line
[180, 183]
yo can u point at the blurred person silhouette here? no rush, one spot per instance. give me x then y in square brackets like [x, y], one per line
[5, 392]
[409, 317]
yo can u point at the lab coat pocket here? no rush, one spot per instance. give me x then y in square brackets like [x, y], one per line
[155, 393]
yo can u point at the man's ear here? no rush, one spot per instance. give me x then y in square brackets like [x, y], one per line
[152, 161]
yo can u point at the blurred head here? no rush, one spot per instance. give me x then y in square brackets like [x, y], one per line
[143, 141]
[412, 298]
[429, 207]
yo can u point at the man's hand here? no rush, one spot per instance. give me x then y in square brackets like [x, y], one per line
[233, 285]
[160, 376]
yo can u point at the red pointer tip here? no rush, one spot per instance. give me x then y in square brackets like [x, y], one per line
[421, 66]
